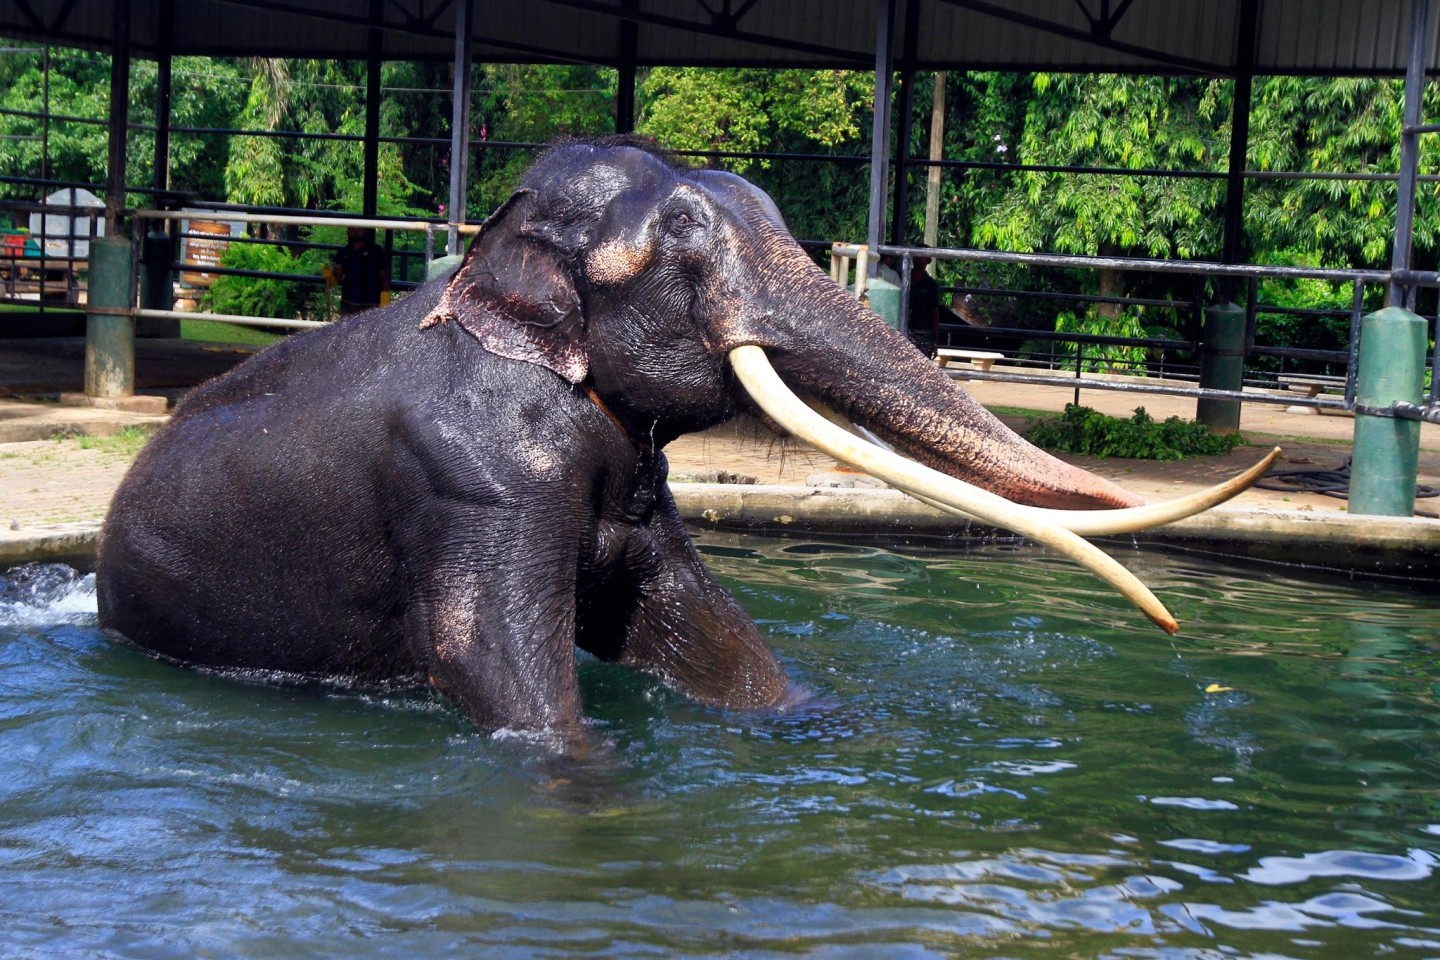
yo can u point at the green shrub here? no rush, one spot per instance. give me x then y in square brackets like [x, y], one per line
[1083, 430]
[1107, 357]
[263, 296]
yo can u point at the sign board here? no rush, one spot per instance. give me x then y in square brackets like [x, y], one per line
[204, 251]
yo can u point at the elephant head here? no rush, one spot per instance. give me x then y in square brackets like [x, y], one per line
[676, 298]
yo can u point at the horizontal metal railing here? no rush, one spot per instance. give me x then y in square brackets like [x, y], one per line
[843, 254]
[215, 213]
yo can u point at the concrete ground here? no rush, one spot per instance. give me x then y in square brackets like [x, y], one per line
[57, 490]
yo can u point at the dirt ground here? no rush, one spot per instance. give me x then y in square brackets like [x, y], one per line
[52, 481]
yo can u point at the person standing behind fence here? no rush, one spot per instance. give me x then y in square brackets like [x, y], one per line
[362, 269]
[924, 325]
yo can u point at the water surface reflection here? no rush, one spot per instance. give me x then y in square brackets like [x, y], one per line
[999, 761]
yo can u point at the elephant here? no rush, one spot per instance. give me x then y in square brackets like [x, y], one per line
[461, 488]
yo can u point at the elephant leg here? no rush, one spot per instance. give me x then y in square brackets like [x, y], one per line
[679, 623]
[495, 630]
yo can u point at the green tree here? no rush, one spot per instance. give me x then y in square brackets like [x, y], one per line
[204, 92]
[1133, 123]
[1335, 125]
[314, 97]
[754, 111]
[532, 104]
[1100, 121]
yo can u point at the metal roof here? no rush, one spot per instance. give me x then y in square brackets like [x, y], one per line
[1151, 36]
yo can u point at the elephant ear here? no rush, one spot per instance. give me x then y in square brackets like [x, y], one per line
[513, 294]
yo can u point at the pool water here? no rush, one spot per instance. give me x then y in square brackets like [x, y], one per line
[1000, 760]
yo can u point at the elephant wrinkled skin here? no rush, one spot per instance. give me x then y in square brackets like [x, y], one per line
[468, 484]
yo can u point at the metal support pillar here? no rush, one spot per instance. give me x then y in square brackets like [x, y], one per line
[1222, 366]
[163, 84]
[1392, 342]
[625, 100]
[1385, 458]
[880, 127]
[1233, 242]
[119, 117]
[157, 290]
[109, 327]
[1399, 295]
[625, 90]
[900, 206]
[373, 58]
[459, 128]
[900, 209]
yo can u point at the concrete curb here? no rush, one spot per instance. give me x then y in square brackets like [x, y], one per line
[63, 541]
[1389, 546]
[24, 421]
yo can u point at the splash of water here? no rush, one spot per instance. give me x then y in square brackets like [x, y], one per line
[38, 594]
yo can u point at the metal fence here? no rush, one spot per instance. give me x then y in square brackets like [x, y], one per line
[46, 266]
[1067, 351]
[1169, 367]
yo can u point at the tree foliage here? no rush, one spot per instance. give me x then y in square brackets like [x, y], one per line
[1111, 121]
[1335, 125]
[752, 110]
[1022, 126]
[319, 97]
[204, 93]
[1086, 431]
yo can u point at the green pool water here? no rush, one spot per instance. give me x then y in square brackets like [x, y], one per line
[999, 760]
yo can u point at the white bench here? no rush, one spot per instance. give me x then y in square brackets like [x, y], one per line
[979, 359]
[1312, 385]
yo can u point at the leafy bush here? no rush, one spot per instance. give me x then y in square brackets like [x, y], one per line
[263, 296]
[1083, 430]
[1330, 332]
[1104, 357]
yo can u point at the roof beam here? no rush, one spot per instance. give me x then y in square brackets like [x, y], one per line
[29, 13]
[859, 59]
[1059, 29]
[1103, 26]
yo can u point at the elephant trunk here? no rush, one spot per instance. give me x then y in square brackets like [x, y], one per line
[872, 374]
[952, 453]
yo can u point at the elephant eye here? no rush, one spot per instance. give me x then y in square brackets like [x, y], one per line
[681, 219]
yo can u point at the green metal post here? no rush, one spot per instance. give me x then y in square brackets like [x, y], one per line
[1222, 366]
[109, 328]
[157, 286]
[884, 299]
[1387, 449]
[442, 265]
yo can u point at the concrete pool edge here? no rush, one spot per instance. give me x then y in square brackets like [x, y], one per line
[1390, 546]
[59, 541]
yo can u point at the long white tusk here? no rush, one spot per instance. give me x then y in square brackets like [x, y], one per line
[759, 379]
[1102, 523]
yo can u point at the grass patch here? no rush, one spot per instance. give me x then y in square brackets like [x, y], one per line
[1086, 431]
[1000, 410]
[123, 443]
[50, 311]
[213, 331]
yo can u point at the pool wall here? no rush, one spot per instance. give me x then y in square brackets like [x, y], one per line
[1405, 547]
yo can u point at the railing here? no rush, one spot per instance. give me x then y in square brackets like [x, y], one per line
[44, 276]
[219, 214]
[1267, 390]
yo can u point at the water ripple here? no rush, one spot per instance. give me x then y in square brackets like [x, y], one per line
[998, 761]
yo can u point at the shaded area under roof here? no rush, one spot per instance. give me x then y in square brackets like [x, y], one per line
[1149, 36]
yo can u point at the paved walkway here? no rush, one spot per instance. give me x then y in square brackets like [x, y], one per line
[47, 482]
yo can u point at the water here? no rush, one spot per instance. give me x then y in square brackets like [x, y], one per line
[1000, 761]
